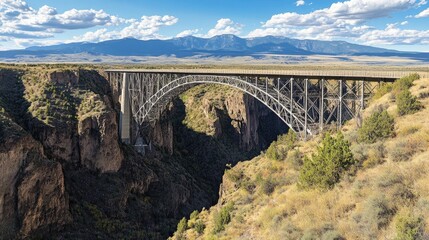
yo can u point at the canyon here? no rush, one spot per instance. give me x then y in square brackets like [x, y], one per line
[65, 174]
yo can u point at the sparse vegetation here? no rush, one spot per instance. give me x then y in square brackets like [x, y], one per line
[199, 227]
[102, 222]
[181, 228]
[376, 155]
[267, 185]
[379, 192]
[279, 149]
[222, 218]
[273, 152]
[378, 126]
[405, 148]
[398, 86]
[407, 103]
[386, 197]
[325, 168]
[409, 226]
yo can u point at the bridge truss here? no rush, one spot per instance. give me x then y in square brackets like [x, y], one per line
[305, 103]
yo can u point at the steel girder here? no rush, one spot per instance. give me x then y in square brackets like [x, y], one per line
[306, 105]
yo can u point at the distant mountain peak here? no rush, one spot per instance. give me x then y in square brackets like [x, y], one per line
[220, 45]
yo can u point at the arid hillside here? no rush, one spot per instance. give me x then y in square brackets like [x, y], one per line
[291, 192]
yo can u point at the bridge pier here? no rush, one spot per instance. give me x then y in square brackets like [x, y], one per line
[125, 117]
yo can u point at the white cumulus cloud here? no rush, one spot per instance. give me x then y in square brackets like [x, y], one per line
[186, 33]
[424, 13]
[394, 35]
[145, 28]
[19, 20]
[345, 19]
[225, 26]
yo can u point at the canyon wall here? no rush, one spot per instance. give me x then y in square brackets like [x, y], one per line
[65, 174]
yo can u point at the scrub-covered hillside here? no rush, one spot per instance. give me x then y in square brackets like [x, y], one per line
[364, 182]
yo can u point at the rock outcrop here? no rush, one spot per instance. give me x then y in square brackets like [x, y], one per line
[42, 200]
[64, 173]
[245, 113]
[64, 77]
[98, 140]
[89, 138]
[32, 191]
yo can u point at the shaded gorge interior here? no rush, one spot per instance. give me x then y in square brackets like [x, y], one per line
[69, 176]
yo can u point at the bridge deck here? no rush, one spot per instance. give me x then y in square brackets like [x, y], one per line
[335, 74]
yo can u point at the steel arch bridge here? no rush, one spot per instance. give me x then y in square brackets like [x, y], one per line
[306, 102]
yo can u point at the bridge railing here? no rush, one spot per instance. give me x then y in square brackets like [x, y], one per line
[319, 73]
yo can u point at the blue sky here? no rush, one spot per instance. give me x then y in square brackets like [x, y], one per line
[396, 24]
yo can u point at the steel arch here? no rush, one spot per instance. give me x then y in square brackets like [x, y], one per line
[290, 112]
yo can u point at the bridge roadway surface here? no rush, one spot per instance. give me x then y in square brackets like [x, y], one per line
[386, 75]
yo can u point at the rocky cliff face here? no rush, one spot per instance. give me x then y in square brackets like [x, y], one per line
[33, 196]
[223, 112]
[245, 113]
[32, 191]
[64, 173]
[87, 134]
[98, 139]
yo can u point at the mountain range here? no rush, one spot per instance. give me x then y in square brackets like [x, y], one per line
[222, 45]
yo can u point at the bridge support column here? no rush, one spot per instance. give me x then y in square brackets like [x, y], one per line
[291, 98]
[362, 96]
[125, 117]
[340, 104]
[322, 104]
[305, 107]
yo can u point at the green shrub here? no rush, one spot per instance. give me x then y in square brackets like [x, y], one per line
[222, 218]
[325, 168]
[194, 214]
[383, 90]
[199, 227]
[288, 139]
[268, 186]
[273, 152]
[278, 149]
[409, 227]
[405, 82]
[377, 126]
[182, 226]
[407, 103]
[399, 85]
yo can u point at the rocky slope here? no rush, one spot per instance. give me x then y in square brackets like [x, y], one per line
[64, 173]
[385, 197]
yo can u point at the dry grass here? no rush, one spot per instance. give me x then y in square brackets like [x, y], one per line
[366, 205]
